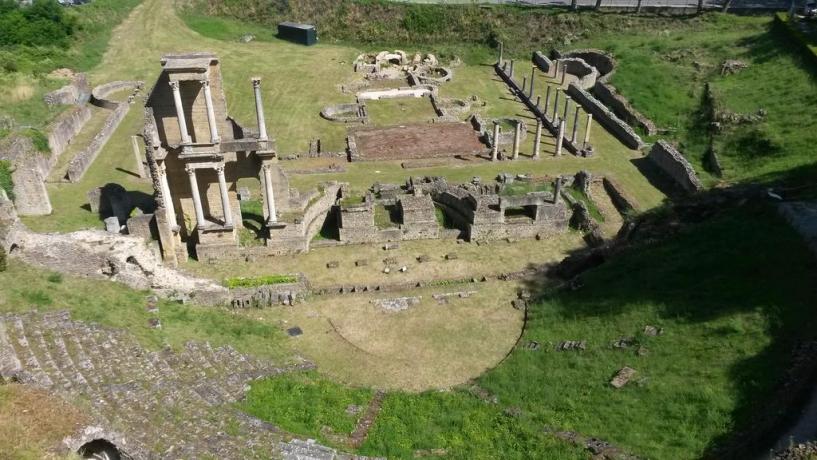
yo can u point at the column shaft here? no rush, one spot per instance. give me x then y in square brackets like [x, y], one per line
[556, 105]
[225, 197]
[270, 195]
[587, 130]
[532, 76]
[177, 99]
[194, 191]
[547, 103]
[259, 110]
[516, 135]
[567, 108]
[211, 115]
[167, 199]
[495, 149]
[575, 125]
[538, 139]
[560, 138]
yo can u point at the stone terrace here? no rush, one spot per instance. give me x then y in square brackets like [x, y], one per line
[164, 404]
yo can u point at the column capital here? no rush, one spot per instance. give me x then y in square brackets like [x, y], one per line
[205, 82]
[174, 85]
[161, 167]
[256, 82]
[220, 169]
[190, 170]
[266, 166]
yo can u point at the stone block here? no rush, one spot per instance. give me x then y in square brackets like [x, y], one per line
[95, 199]
[622, 377]
[141, 226]
[112, 225]
[244, 194]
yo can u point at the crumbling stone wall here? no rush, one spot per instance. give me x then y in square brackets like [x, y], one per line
[419, 217]
[620, 129]
[608, 95]
[602, 61]
[356, 223]
[105, 256]
[83, 160]
[29, 171]
[9, 222]
[62, 131]
[675, 165]
[76, 92]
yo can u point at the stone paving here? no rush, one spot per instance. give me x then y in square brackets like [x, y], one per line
[163, 403]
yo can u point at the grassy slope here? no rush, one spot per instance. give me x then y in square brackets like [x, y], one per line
[22, 92]
[725, 344]
[663, 73]
[23, 288]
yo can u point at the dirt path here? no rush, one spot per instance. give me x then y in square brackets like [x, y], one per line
[362, 429]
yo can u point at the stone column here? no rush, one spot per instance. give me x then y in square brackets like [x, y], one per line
[524, 85]
[557, 190]
[556, 66]
[177, 99]
[269, 194]
[587, 129]
[538, 101]
[140, 165]
[538, 139]
[259, 110]
[225, 197]
[511, 73]
[501, 49]
[547, 103]
[567, 108]
[495, 149]
[516, 135]
[167, 199]
[194, 191]
[560, 138]
[532, 76]
[575, 125]
[211, 115]
[564, 73]
[556, 105]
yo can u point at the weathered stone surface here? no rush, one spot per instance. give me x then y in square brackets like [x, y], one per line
[333, 264]
[397, 304]
[140, 392]
[675, 166]
[653, 331]
[622, 377]
[361, 263]
[112, 225]
[570, 345]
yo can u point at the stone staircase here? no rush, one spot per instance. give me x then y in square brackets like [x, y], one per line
[167, 404]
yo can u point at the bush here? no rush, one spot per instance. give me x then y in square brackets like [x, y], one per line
[39, 140]
[5, 178]
[3, 261]
[43, 23]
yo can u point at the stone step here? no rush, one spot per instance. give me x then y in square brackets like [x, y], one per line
[34, 372]
[64, 360]
[10, 365]
[40, 347]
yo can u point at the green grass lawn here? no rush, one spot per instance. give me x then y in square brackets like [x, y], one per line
[728, 317]
[390, 112]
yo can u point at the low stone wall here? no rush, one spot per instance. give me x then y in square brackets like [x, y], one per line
[620, 198]
[673, 163]
[269, 295]
[346, 113]
[601, 113]
[608, 95]
[62, 131]
[395, 93]
[576, 66]
[83, 160]
[602, 61]
[543, 62]
[76, 92]
[100, 93]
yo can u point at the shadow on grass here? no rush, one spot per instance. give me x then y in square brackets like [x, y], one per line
[737, 291]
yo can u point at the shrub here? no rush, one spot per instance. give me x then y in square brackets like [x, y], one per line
[3, 260]
[5, 178]
[55, 278]
[43, 23]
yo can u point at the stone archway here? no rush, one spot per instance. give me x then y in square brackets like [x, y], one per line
[100, 449]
